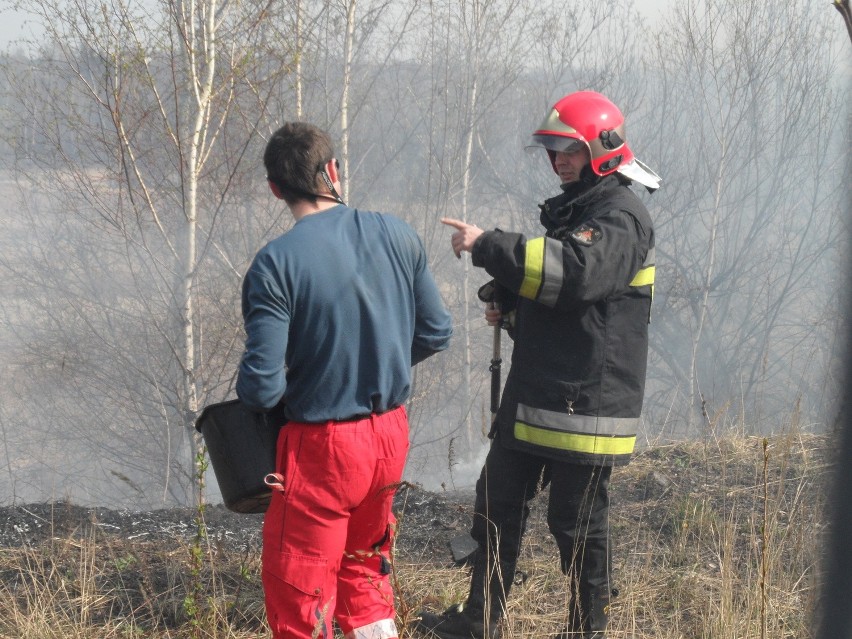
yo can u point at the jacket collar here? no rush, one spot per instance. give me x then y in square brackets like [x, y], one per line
[576, 197]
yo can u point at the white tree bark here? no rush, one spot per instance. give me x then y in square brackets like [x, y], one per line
[348, 48]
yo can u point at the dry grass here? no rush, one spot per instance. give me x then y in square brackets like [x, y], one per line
[110, 588]
[716, 540]
[713, 540]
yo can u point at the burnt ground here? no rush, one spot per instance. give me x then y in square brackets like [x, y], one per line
[146, 562]
[429, 521]
[149, 568]
[645, 493]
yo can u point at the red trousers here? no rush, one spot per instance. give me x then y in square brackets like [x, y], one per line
[327, 532]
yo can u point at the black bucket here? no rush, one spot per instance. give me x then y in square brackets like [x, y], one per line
[241, 446]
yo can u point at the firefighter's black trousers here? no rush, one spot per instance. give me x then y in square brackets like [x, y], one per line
[577, 516]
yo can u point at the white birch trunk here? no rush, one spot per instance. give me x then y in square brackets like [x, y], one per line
[344, 99]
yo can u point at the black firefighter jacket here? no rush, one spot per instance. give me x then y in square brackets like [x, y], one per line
[582, 297]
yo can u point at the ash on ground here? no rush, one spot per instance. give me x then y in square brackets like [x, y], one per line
[427, 522]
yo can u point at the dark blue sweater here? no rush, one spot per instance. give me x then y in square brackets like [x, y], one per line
[337, 311]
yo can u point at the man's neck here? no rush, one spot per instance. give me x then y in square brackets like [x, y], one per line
[304, 208]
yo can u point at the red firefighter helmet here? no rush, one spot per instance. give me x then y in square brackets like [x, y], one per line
[588, 118]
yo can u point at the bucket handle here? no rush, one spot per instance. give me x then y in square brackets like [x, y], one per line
[275, 481]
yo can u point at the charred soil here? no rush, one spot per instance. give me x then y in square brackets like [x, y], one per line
[155, 573]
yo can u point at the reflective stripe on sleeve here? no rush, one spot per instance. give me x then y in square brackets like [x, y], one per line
[542, 271]
[553, 270]
[645, 276]
[533, 267]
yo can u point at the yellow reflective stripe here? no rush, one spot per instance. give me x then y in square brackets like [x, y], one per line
[533, 267]
[645, 276]
[591, 444]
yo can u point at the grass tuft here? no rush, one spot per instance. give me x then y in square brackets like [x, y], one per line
[712, 540]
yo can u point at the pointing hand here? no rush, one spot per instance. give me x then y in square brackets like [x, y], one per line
[465, 235]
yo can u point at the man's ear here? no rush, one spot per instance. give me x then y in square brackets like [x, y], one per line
[275, 190]
[332, 170]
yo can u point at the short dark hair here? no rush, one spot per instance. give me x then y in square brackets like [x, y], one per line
[294, 157]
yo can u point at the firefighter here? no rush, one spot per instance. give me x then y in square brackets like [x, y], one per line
[337, 310]
[576, 302]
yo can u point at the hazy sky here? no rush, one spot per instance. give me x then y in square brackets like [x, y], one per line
[14, 25]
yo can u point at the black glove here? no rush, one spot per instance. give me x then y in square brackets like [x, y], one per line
[495, 293]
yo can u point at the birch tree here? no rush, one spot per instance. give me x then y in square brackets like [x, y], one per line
[145, 116]
[748, 225]
[464, 103]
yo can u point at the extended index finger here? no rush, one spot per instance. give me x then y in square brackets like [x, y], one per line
[458, 224]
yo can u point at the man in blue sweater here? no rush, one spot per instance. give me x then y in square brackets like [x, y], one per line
[337, 310]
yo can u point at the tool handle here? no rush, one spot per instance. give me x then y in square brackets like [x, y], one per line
[496, 361]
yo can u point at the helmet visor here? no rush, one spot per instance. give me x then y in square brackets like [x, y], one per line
[558, 143]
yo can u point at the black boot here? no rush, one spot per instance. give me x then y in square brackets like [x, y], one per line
[596, 601]
[588, 615]
[457, 622]
[469, 620]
